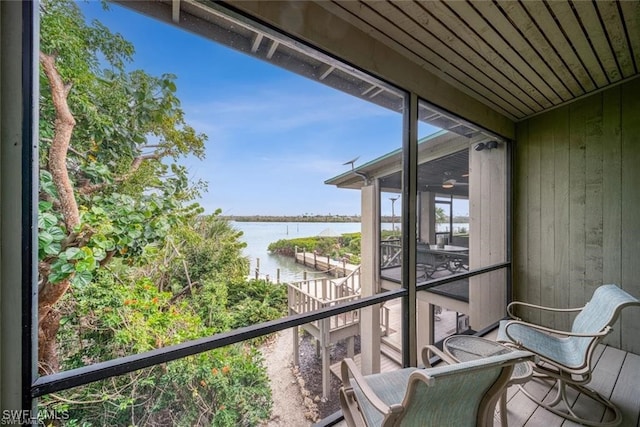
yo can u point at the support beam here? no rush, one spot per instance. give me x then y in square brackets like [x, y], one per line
[325, 344]
[427, 226]
[370, 284]
[272, 49]
[376, 93]
[175, 11]
[328, 71]
[256, 42]
[369, 89]
[296, 345]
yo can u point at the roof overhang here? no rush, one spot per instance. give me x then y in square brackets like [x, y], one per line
[490, 63]
[436, 146]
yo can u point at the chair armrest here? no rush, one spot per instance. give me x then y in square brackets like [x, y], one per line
[348, 369]
[539, 307]
[563, 334]
[429, 350]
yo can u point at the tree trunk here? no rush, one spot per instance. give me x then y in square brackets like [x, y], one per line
[48, 326]
[50, 293]
[64, 124]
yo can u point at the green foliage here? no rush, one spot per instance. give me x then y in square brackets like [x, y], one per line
[259, 290]
[145, 270]
[113, 224]
[351, 247]
[111, 318]
[346, 246]
[213, 250]
[328, 246]
[256, 301]
[288, 246]
[389, 234]
[116, 315]
[127, 123]
[441, 216]
[229, 387]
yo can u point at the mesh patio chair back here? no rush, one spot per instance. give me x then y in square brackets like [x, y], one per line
[463, 394]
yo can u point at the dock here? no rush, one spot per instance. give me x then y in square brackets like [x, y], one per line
[324, 263]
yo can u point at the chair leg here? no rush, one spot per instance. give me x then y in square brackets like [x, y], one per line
[503, 409]
[561, 397]
[349, 408]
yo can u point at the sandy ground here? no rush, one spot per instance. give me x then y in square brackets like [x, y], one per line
[288, 406]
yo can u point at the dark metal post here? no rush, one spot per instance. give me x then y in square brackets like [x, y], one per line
[409, 244]
[18, 213]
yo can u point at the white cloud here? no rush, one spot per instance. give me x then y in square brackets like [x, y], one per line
[267, 110]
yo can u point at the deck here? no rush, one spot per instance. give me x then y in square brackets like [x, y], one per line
[616, 375]
[391, 356]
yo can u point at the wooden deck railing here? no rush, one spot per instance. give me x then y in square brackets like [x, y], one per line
[313, 294]
[310, 295]
[390, 253]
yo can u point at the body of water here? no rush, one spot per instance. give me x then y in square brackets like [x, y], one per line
[258, 236]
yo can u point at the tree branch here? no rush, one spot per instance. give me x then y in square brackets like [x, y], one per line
[184, 263]
[63, 129]
[89, 188]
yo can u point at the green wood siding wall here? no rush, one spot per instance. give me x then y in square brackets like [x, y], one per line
[577, 206]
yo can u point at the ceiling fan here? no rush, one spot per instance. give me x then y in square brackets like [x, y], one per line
[448, 182]
[451, 182]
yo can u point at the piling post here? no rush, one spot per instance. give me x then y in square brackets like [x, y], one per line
[257, 268]
[278, 276]
[292, 302]
[326, 361]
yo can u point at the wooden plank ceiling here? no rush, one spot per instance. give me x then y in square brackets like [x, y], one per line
[518, 57]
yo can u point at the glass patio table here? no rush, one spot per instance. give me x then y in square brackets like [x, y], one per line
[465, 348]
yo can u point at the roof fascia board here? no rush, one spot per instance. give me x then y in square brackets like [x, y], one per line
[430, 148]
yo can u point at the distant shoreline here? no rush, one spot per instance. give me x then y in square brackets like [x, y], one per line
[318, 218]
[295, 218]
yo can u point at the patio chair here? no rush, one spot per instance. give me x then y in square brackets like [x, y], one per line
[566, 356]
[462, 394]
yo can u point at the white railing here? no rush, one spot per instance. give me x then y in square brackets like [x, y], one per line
[390, 253]
[314, 294]
[384, 321]
[310, 295]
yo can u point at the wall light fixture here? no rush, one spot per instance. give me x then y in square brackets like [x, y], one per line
[489, 145]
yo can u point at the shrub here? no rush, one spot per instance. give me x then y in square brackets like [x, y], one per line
[337, 247]
[256, 301]
[288, 246]
[112, 317]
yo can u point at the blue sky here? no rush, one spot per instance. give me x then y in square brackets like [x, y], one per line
[274, 136]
